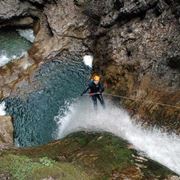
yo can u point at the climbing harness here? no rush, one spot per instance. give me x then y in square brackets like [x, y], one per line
[125, 97]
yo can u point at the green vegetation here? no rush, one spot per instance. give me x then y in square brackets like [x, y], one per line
[22, 167]
[79, 156]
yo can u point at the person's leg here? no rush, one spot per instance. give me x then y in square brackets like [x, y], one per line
[94, 99]
[101, 100]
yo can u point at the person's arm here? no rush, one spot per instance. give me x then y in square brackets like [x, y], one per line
[85, 91]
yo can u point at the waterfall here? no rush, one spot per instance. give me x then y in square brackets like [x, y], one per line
[156, 145]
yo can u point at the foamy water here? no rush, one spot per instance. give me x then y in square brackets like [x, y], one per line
[157, 145]
[27, 34]
[5, 59]
[2, 109]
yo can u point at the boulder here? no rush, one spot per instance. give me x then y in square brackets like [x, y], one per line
[6, 130]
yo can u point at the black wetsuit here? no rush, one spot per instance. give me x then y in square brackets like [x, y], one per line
[93, 89]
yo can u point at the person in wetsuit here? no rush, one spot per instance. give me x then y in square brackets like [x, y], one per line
[96, 89]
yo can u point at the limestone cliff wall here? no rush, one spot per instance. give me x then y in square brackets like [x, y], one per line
[136, 45]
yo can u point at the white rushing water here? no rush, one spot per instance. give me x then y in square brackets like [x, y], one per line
[5, 59]
[27, 34]
[88, 60]
[157, 145]
[2, 109]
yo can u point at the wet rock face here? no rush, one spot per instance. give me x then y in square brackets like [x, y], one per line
[6, 130]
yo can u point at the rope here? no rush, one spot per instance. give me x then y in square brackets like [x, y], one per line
[125, 97]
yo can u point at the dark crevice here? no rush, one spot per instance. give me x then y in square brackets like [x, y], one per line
[9, 28]
[95, 18]
[174, 63]
[77, 3]
[49, 27]
[169, 2]
[158, 10]
[118, 4]
[36, 4]
[129, 53]
[129, 29]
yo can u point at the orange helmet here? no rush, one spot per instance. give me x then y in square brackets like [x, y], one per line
[96, 78]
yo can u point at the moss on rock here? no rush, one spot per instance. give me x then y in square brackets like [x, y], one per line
[22, 167]
[80, 156]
